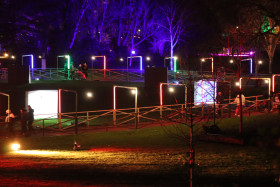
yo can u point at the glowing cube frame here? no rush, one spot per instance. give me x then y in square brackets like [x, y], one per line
[173, 66]
[44, 103]
[31, 60]
[104, 60]
[141, 62]
[269, 83]
[205, 92]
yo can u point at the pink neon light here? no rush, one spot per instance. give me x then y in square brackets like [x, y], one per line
[104, 63]
[212, 65]
[114, 97]
[221, 54]
[240, 83]
[161, 92]
[59, 101]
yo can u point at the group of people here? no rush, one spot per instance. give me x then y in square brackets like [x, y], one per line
[80, 73]
[220, 101]
[26, 121]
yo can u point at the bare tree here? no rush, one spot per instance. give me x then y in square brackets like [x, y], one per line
[171, 27]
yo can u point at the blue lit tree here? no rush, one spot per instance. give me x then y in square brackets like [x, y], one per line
[170, 22]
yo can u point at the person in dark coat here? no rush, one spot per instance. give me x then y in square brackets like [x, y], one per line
[30, 119]
[219, 101]
[23, 121]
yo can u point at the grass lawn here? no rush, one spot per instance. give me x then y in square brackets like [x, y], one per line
[155, 156]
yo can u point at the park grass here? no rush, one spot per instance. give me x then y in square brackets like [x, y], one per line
[158, 151]
[257, 129]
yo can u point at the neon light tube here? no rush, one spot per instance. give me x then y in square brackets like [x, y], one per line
[31, 60]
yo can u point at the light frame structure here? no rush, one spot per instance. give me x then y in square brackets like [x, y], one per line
[173, 66]
[141, 62]
[251, 64]
[31, 61]
[212, 63]
[8, 95]
[203, 88]
[68, 60]
[76, 107]
[172, 84]
[125, 87]
[273, 81]
[256, 78]
[104, 60]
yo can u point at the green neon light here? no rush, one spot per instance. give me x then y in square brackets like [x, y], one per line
[68, 61]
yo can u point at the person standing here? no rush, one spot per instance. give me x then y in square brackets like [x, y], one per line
[238, 106]
[10, 120]
[219, 101]
[23, 121]
[30, 119]
[85, 69]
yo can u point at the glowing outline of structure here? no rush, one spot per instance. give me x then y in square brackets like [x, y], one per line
[251, 64]
[32, 60]
[141, 62]
[104, 61]
[115, 100]
[273, 81]
[8, 95]
[59, 106]
[68, 61]
[269, 83]
[174, 84]
[212, 62]
[172, 67]
[215, 90]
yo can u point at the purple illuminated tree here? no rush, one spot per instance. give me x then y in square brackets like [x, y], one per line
[170, 22]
